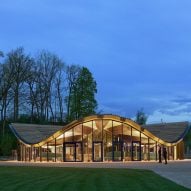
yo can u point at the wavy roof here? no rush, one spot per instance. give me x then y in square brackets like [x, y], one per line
[33, 133]
[37, 135]
[169, 132]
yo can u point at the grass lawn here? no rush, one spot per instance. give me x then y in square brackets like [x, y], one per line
[82, 179]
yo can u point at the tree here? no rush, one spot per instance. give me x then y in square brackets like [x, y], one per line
[32, 97]
[59, 93]
[83, 102]
[72, 73]
[6, 82]
[19, 65]
[49, 67]
[141, 117]
[43, 88]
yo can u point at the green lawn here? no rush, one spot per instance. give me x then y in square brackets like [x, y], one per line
[82, 179]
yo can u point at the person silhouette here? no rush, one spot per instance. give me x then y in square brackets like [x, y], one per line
[159, 154]
[165, 155]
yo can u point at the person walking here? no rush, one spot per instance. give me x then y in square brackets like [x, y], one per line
[159, 154]
[165, 155]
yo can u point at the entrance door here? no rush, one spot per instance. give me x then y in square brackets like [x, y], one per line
[73, 151]
[117, 151]
[136, 151]
[97, 151]
[78, 152]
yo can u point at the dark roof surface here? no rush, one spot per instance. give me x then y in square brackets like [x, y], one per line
[33, 133]
[169, 132]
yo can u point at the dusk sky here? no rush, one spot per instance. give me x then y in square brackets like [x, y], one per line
[139, 52]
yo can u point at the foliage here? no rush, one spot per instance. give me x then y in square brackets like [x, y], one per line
[72, 73]
[43, 89]
[83, 179]
[8, 142]
[83, 102]
[24, 118]
[141, 117]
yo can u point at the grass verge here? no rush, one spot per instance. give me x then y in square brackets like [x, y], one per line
[82, 179]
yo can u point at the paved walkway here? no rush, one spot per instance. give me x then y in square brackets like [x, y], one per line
[177, 171]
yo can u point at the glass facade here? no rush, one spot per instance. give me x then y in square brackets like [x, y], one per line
[187, 145]
[97, 141]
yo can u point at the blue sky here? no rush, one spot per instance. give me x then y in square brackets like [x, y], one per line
[138, 51]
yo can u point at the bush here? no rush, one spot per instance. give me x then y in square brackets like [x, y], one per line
[8, 143]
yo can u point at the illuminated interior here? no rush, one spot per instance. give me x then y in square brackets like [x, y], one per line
[99, 139]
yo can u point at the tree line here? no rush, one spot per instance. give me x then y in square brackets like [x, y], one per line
[44, 89]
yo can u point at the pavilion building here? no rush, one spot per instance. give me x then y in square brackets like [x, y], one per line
[100, 138]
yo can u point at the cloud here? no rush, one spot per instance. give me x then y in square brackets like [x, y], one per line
[166, 108]
[158, 116]
[174, 109]
[181, 99]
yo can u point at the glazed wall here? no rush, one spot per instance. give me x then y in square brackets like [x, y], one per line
[97, 140]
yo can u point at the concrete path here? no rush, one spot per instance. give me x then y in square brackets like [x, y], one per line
[177, 171]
